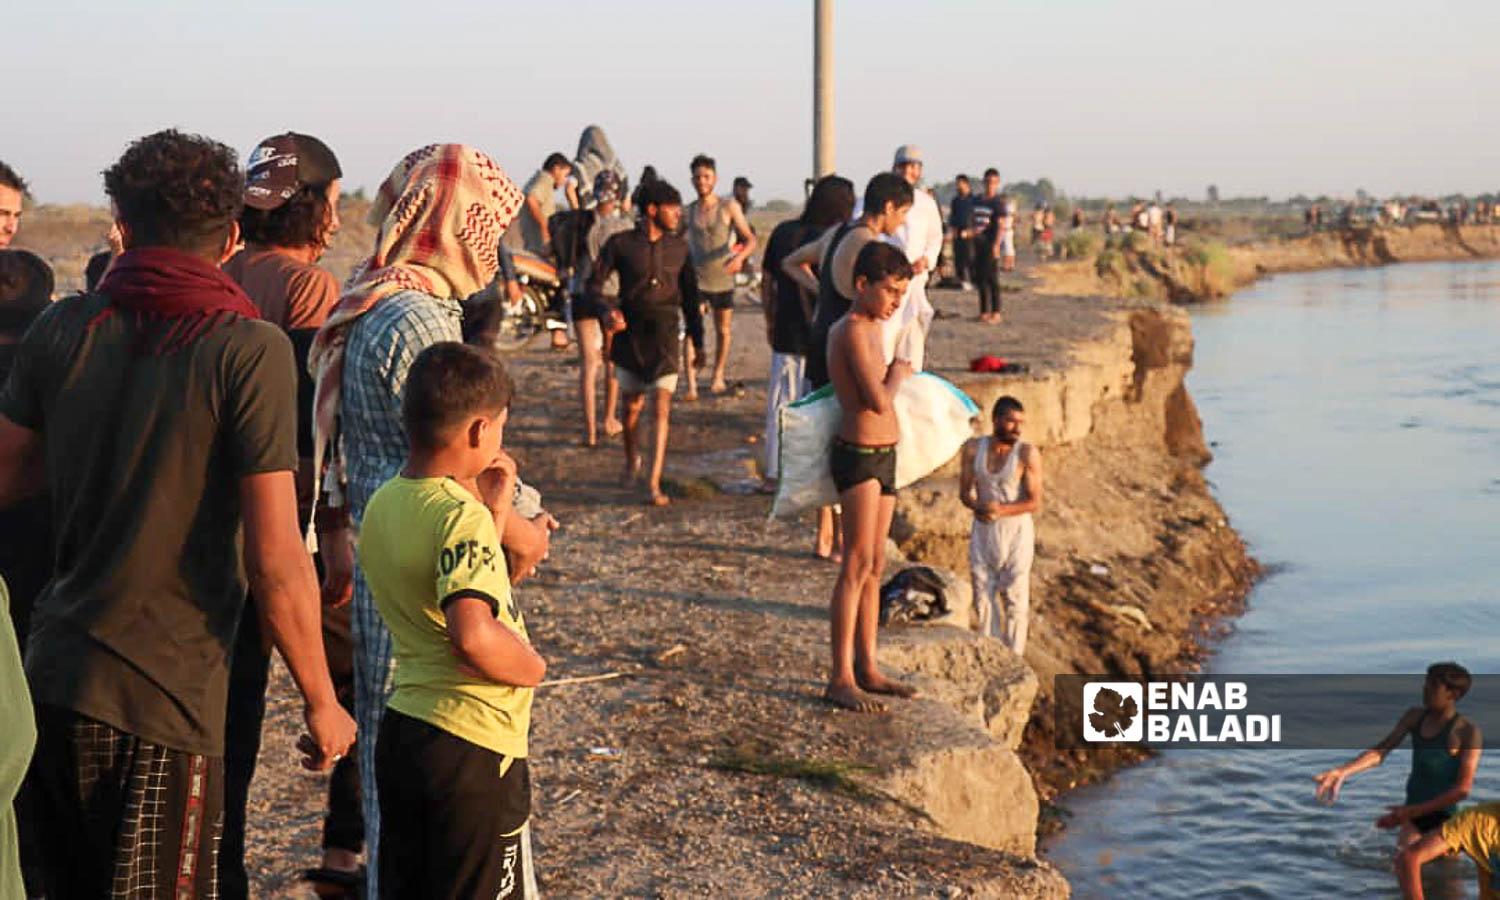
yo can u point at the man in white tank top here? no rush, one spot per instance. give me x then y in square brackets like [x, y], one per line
[1001, 480]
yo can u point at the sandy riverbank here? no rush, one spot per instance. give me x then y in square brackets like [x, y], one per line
[852, 805]
[1134, 559]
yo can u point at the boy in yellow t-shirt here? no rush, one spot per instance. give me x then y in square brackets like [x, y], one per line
[1475, 831]
[450, 762]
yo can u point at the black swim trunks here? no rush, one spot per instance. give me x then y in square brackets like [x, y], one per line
[853, 464]
[1427, 823]
[717, 299]
[586, 307]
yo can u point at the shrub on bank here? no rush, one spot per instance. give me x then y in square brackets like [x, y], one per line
[1110, 264]
[1081, 244]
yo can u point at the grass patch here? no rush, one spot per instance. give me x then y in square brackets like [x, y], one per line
[833, 774]
[837, 775]
[1110, 264]
[1215, 267]
[1081, 244]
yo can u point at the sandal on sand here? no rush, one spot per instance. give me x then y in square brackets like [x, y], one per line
[336, 884]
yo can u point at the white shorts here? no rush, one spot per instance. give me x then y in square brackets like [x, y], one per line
[631, 383]
[1008, 244]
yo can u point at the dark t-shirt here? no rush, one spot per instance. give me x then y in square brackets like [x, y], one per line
[988, 211]
[144, 456]
[658, 289]
[25, 542]
[790, 323]
[960, 214]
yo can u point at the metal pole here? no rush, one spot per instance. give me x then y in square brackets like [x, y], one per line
[822, 88]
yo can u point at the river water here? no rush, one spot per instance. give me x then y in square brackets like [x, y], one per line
[1355, 420]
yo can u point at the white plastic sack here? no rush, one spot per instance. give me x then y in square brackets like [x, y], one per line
[935, 421]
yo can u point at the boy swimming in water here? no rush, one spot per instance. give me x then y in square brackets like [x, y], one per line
[863, 464]
[1445, 755]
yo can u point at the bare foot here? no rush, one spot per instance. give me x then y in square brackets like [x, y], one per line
[691, 396]
[879, 684]
[590, 440]
[847, 696]
[613, 427]
[632, 471]
[718, 387]
[657, 498]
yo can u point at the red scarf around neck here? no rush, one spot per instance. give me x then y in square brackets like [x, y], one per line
[160, 284]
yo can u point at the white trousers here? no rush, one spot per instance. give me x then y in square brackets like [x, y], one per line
[786, 384]
[1000, 554]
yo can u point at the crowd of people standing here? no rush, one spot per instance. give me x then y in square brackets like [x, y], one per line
[215, 380]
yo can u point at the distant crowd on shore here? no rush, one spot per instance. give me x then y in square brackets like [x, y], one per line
[1396, 211]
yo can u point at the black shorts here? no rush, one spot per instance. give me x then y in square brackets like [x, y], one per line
[854, 464]
[451, 823]
[1431, 821]
[589, 308]
[717, 299]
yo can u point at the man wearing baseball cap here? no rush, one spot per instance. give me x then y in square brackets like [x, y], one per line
[742, 188]
[921, 237]
[291, 199]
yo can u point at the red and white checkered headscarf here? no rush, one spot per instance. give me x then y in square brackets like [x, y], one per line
[440, 215]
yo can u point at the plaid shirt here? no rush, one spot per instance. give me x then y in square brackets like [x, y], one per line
[381, 347]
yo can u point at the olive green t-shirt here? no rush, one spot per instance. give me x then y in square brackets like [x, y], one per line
[423, 543]
[17, 740]
[144, 457]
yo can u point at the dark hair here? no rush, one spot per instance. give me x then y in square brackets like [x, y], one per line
[301, 221]
[25, 290]
[554, 160]
[176, 190]
[830, 203]
[992, 171]
[1452, 675]
[887, 187]
[878, 260]
[9, 178]
[98, 264]
[1006, 404]
[447, 383]
[960, 177]
[659, 193]
[649, 175]
[703, 161]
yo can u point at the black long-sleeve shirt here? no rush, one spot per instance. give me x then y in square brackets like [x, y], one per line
[656, 285]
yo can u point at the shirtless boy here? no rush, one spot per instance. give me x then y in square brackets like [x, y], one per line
[888, 198]
[863, 464]
[1445, 755]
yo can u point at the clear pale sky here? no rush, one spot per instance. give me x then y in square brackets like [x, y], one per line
[1102, 96]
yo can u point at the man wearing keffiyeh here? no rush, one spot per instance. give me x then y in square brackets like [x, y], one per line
[440, 215]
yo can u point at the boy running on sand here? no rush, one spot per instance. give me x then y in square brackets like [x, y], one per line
[863, 464]
[450, 763]
[1445, 755]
